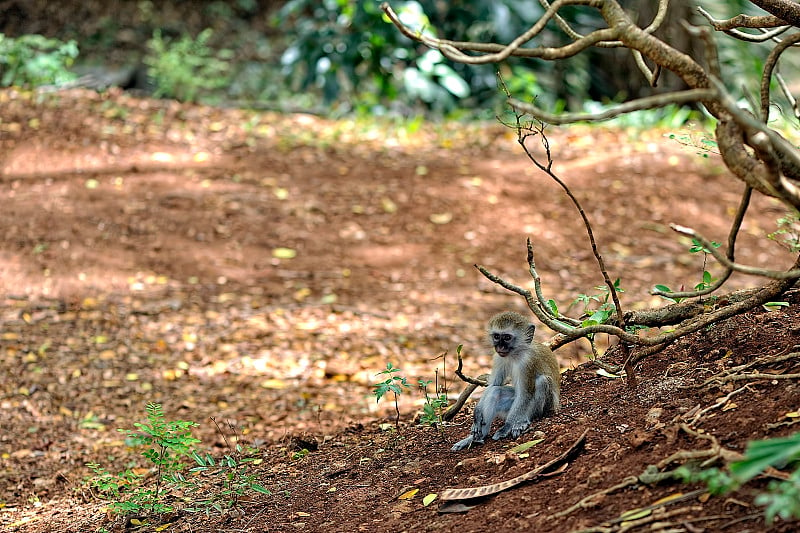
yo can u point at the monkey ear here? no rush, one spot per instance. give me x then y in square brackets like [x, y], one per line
[529, 333]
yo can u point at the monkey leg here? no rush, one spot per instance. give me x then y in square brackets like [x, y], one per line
[528, 407]
[495, 402]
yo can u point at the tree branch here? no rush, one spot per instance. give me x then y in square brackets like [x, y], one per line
[769, 66]
[727, 263]
[787, 10]
[496, 52]
[649, 102]
[742, 21]
[744, 203]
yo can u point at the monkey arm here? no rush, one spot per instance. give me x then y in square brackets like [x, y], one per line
[519, 414]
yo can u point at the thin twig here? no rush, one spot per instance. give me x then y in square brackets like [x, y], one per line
[727, 263]
[648, 102]
[744, 203]
[547, 169]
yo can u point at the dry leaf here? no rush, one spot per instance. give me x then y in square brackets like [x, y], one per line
[408, 494]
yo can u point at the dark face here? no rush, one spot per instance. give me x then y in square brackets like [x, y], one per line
[503, 343]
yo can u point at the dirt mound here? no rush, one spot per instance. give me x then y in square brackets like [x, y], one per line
[261, 269]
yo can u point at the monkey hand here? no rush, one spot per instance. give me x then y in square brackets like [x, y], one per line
[514, 429]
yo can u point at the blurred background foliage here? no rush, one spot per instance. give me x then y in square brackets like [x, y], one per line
[337, 57]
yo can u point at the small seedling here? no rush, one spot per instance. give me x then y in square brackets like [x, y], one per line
[434, 406]
[392, 384]
[600, 314]
[167, 444]
[232, 469]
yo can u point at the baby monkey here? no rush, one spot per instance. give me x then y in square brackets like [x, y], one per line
[535, 379]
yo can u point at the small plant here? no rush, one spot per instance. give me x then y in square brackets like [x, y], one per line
[183, 69]
[232, 470]
[704, 142]
[782, 498]
[435, 406]
[392, 384]
[788, 232]
[707, 280]
[600, 314]
[35, 60]
[166, 442]
[698, 247]
[673, 299]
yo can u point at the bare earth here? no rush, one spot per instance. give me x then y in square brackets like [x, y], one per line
[145, 257]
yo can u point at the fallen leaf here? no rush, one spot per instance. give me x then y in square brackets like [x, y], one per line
[408, 494]
[605, 374]
[634, 514]
[441, 218]
[427, 500]
[275, 384]
[525, 445]
[388, 205]
[284, 253]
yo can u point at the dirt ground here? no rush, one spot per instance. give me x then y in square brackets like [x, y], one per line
[261, 269]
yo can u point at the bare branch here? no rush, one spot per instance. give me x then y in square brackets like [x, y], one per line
[649, 102]
[453, 49]
[769, 66]
[547, 168]
[650, 75]
[787, 93]
[537, 284]
[776, 158]
[473, 384]
[757, 38]
[727, 263]
[658, 20]
[712, 56]
[742, 21]
[787, 10]
[744, 203]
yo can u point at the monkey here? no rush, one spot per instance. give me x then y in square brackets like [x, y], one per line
[533, 371]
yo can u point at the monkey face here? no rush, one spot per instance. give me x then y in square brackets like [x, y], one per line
[503, 343]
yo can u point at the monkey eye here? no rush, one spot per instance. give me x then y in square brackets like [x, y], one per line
[505, 337]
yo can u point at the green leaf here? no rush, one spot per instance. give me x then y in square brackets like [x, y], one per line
[258, 488]
[763, 453]
[525, 446]
[428, 499]
[774, 306]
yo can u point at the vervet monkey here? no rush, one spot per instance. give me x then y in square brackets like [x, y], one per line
[535, 379]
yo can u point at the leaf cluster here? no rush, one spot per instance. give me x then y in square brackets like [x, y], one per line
[434, 406]
[392, 383]
[236, 481]
[167, 444]
[782, 497]
[35, 60]
[186, 68]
